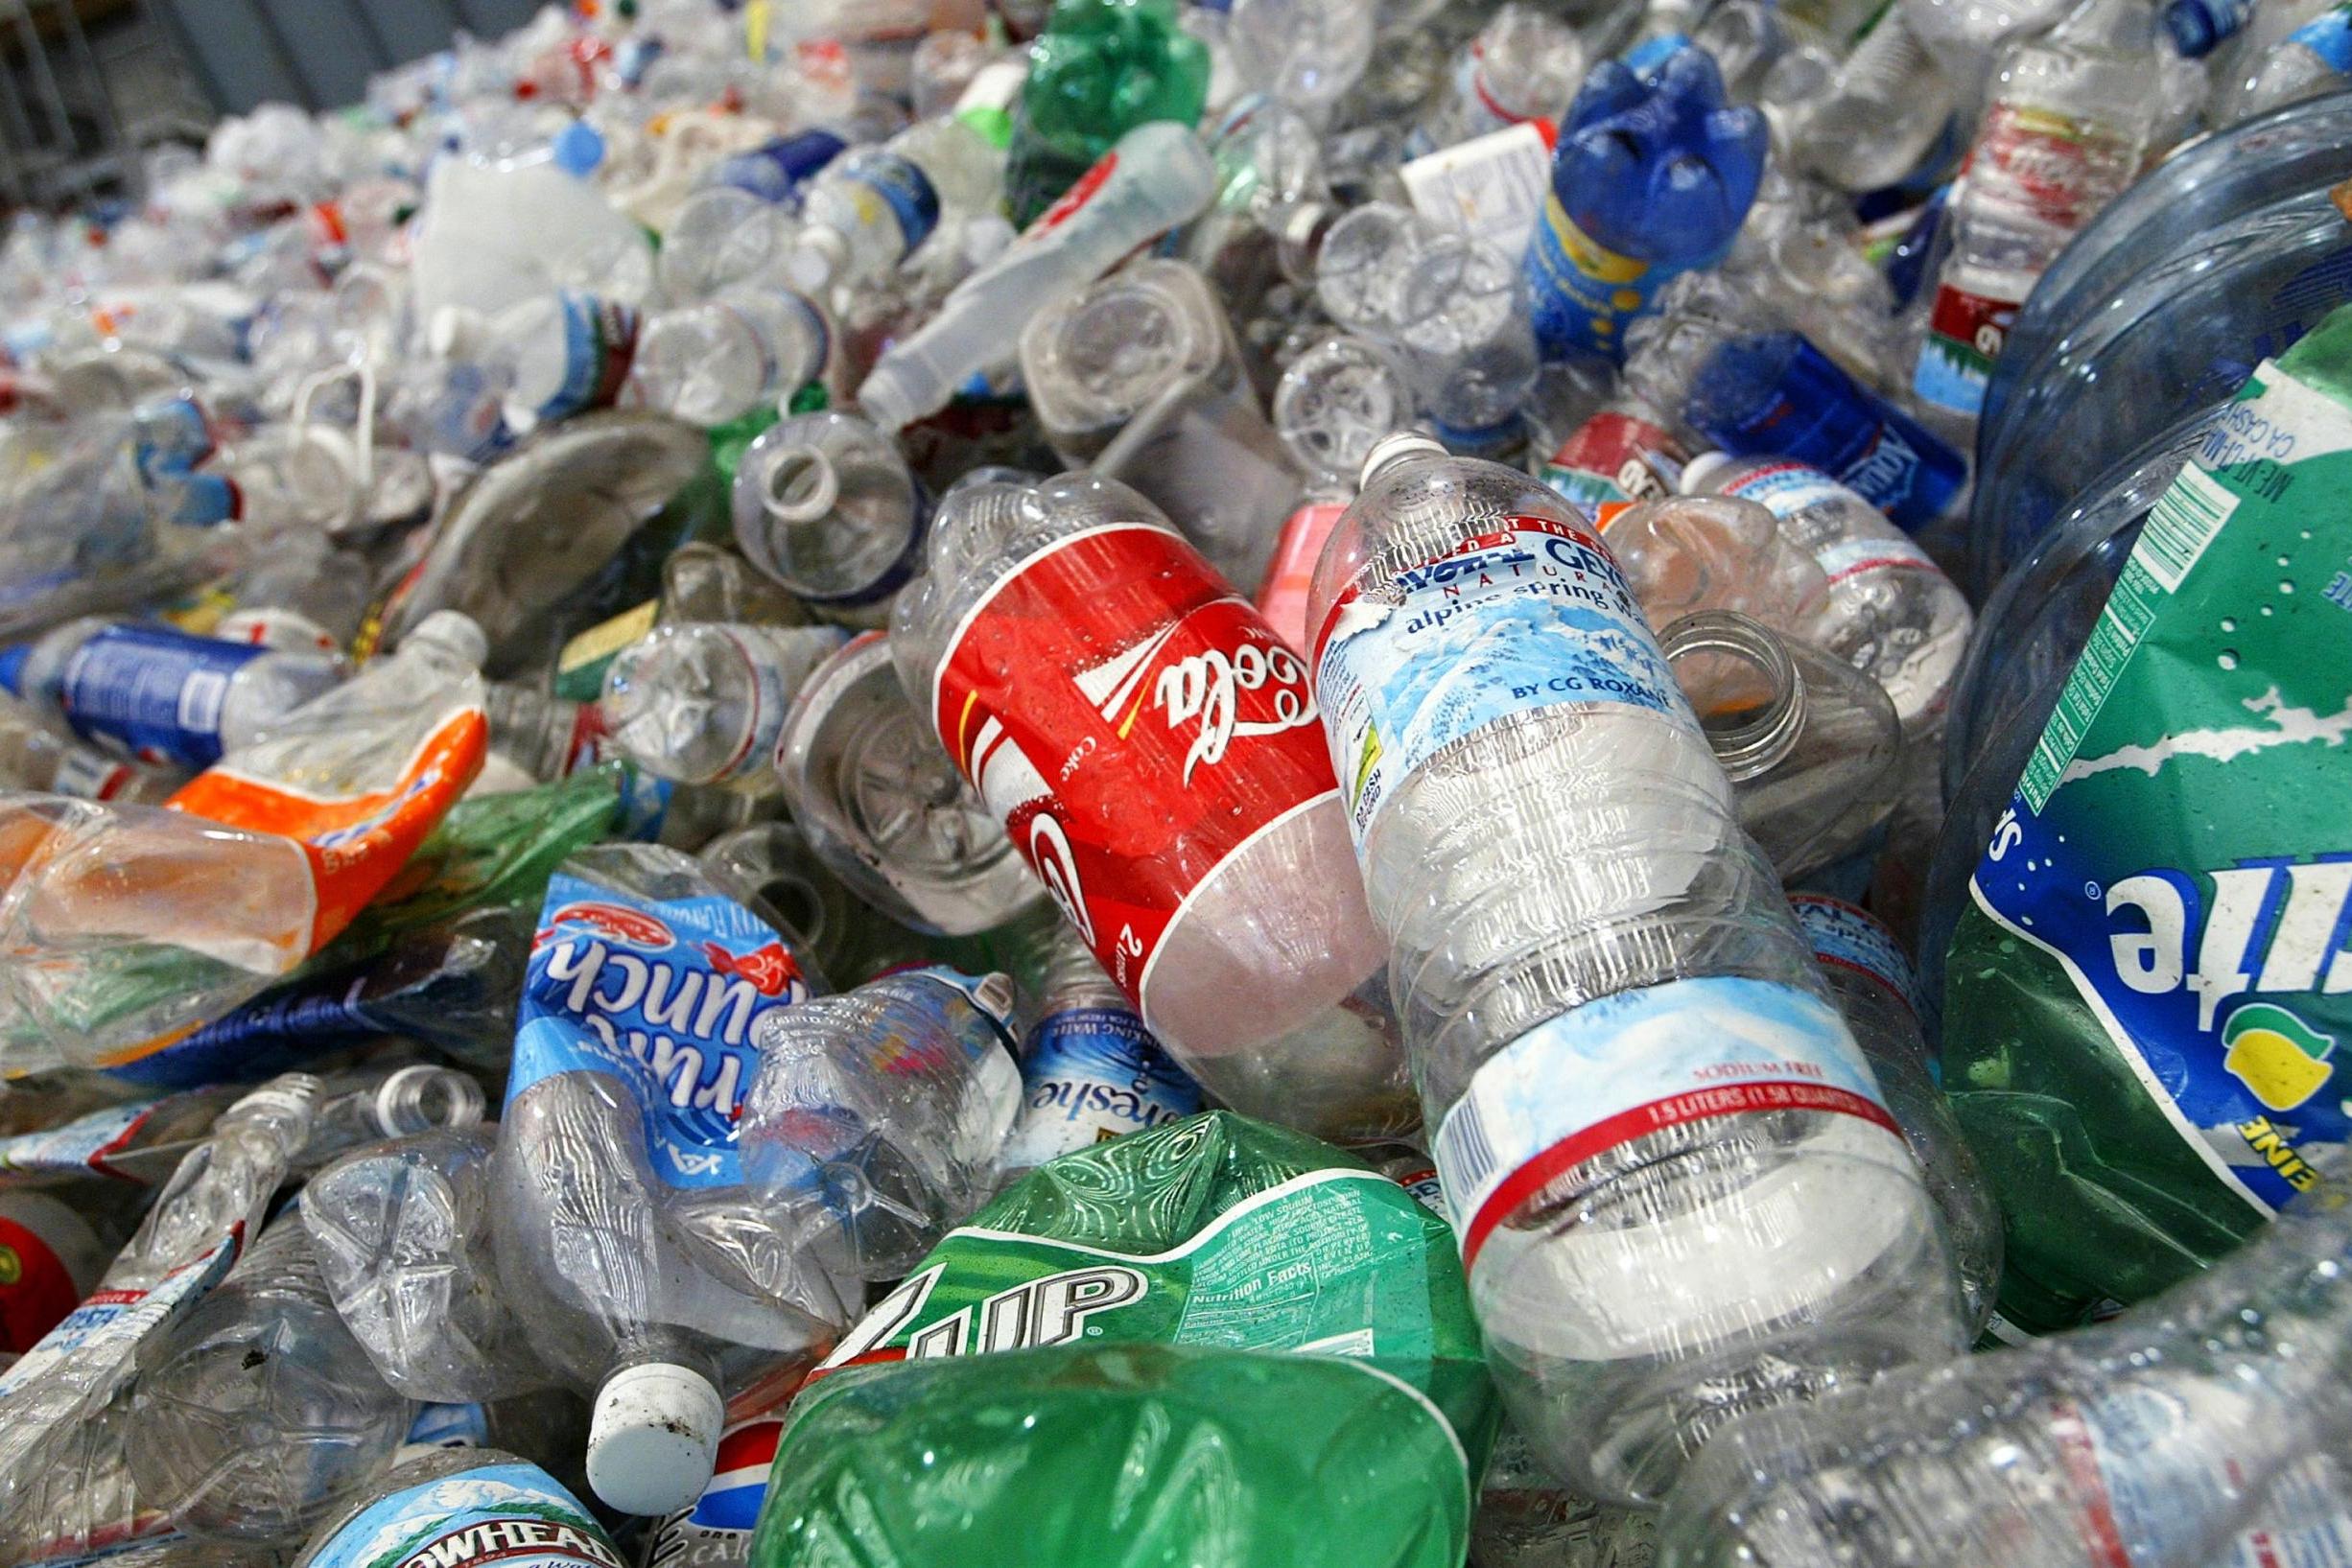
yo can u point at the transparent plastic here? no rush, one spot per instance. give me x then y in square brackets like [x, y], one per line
[852, 236]
[701, 702]
[724, 237]
[715, 361]
[825, 504]
[1688, 554]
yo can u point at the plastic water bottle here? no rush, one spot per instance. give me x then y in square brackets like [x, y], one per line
[1306, 53]
[36, 755]
[883, 1108]
[1332, 403]
[260, 1412]
[725, 237]
[874, 206]
[1891, 611]
[559, 355]
[1653, 174]
[715, 361]
[1524, 65]
[1866, 121]
[2150, 1440]
[401, 1234]
[700, 702]
[1809, 743]
[1158, 176]
[1194, 835]
[456, 1505]
[825, 504]
[1875, 989]
[883, 807]
[159, 695]
[1678, 1192]
[2313, 60]
[1088, 1068]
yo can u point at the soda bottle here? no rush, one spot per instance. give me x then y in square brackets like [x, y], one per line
[883, 807]
[700, 702]
[825, 504]
[163, 696]
[1149, 745]
[259, 1411]
[1101, 69]
[1651, 176]
[1616, 1064]
[1622, 451]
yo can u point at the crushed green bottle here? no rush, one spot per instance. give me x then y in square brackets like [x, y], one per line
[1101, 68]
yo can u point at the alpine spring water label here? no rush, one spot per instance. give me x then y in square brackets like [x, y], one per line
[2168, 898]
[1133, 721]
[1527, 612]
[662, 993]
[513, 1514]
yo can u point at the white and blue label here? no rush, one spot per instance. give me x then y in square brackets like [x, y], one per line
[1093, 1073]
[75, 1148]
[155, 694]
[901, 187]
[1848, 938]
[598, 336]
[2328, 35]
[662, 994]
[516, 1515]
[1528, 613]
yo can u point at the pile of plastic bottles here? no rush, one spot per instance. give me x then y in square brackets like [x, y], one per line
[1301, 783]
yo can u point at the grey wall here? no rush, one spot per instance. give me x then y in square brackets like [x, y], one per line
[317, 53]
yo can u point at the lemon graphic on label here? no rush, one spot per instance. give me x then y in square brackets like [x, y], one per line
[2276, 1055]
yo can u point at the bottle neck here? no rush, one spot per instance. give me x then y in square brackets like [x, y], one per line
[1755, 733]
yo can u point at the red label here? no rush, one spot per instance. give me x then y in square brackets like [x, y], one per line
[1281, 598]
[2063, 170]
[1976, 323]
[35, 1292]
[1076, 196]
[1132, 721]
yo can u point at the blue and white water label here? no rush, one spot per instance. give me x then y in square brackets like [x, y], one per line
[1093, 1073]
[663, 995]
[903, 187]
[1848, 938]
[1527, 612]
[513, 1514]
[152, 693]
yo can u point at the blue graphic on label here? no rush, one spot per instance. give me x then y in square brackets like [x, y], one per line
[77, 1148]
[106, 1330]
[905, 189]
[662, 994]
[152, 693]
[1627, 1065]
[2328, 35]
[516, 1515]
[450, 1426]
[1531, 614]
[597, 337]
[1581, 295]
[1844, 935]
[1093, 1073]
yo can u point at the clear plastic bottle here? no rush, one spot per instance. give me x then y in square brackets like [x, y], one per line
[1965, 34]
[365, 1105]
[1891, 611]
[259, 1411]
[1332, 403]
[2064, 133]
[444, 1502]
[700, 702]
[2312, 59]
[703, 581]
[883, 1110]
[825, 504]
[883, 804]
[559, 355]
[1307, 53]
[1678, 1192]
[38, 757]
[715, 361]
[1809, 743]
[159, 695]
[2150, 1440]
[542, 738]
[1196, 840]
[1684, 555]
[873, 207]
[725, 237]
[1866, 121]
[1524, 65]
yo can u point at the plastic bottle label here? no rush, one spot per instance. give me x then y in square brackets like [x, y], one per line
[1789, 489]
[155, 694]
[1848, 938]
[1615, 456]
[1528, 613]
[1089, 1074]
[1580, 292]
[664, 995]
[901, 186]
[1133, 723]
[89, 776]
[79, 1147]
[716, 1533]
[1622, 1068]
[1281, 598]
[109, 1328]
[1966, 330]
[278, 1033]
[514, 1516]
[1493, 186]
[2329, 36]
[600, 337]
[274, 628]
[36, 1290]
[2060, 169]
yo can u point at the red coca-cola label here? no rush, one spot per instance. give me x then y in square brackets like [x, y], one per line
[1132, 721]
[1281, 598]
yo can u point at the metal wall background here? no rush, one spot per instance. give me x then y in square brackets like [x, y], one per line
[317, 52]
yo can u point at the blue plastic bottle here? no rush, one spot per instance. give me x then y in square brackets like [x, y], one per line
[1653, 175]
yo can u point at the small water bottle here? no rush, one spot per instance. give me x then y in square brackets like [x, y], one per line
[716, 360]
[700, 702]
[825, 504]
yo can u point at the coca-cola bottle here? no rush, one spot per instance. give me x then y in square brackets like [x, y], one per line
[1150, 745]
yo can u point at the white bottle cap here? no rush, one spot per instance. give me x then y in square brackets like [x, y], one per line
[1699, 469]
[818, 258]
[655, 1437]
[455, 631]
[1396, 446]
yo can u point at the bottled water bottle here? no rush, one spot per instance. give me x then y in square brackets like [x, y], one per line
[1678, 1192]
[461, 1505]
[1863, 122]
[825, 504]
[1891, 611]
[1088, 1068]
[1333, 402]
[1809, 743]
[1523, 66]
[725, 237]
[259, 1411]
[1875, 989]
[715, 361]
[883, 1108]
[872, 207]
[1685, 554]
[700, 702]
[2150, 1440]
[159, 695]
[883, 804]
[1194, 835]
[557, 355]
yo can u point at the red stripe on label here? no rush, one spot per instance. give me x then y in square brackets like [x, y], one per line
[1878, 563]
[1699, 1104]
[2100, 1533]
